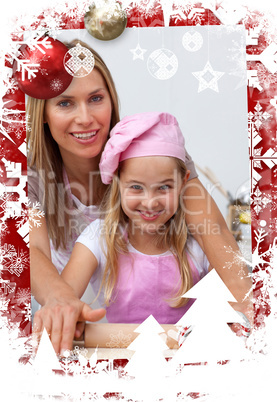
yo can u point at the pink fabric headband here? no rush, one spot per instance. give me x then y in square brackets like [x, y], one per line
[142, 134]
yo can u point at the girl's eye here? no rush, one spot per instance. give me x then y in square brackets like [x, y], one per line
[136, 187]
[165, 187]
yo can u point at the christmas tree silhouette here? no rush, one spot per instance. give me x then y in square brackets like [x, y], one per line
[46, 359]
[148, 364]
[211, 339]
[44, 364]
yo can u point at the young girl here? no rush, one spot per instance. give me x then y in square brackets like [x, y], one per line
[138, 257]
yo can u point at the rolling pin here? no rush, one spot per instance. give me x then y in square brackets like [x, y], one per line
[106, 335]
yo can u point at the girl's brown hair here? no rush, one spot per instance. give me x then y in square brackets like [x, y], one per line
[115, 239]
[44, 156]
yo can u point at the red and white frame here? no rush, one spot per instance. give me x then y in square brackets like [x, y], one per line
[15, 295]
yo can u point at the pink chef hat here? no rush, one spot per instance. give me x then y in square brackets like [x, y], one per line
[142, 134]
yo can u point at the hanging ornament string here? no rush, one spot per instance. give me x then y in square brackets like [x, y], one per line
[162, 63]
[138, 52]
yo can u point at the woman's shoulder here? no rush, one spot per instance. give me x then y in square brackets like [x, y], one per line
[193, 246]
[32, 173]
[34, 177]
[197, 254]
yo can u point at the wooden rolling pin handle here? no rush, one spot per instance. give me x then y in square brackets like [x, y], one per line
[105, 335]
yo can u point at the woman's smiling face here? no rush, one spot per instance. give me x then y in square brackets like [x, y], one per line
[79, 119]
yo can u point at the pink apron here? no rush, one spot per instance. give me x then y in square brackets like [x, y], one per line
[144, 284]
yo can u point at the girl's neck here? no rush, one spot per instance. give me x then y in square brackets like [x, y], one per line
[146, 243]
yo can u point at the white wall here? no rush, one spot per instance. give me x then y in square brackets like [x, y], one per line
[214, 123]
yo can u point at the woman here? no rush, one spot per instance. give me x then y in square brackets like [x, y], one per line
[67, 135]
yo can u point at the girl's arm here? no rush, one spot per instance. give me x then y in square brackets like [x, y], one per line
[61, 308]
[207, 225]
[79, 269]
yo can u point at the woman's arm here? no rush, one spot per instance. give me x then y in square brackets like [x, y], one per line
[61, 308]
[207, 225]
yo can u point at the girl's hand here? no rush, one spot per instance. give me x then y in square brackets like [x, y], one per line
[60, 316]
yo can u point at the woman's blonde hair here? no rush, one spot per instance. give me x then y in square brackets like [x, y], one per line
[44, 156]
[115, 238]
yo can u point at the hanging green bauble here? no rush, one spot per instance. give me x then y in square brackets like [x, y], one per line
[107, 21]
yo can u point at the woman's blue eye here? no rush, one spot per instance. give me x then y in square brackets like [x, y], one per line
[136, 187]
[64, 103]
[96, 98]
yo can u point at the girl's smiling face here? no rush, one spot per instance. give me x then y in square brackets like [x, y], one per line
[150, 189]
[79, 119]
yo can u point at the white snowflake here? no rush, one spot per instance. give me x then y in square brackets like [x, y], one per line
[178, 15]
[39, 42]
[70, 9]
[29, 67]
[258, 117]
[119, 340]
[35, 215]
[11, 86]
[259, 200]
[31, 212]
[53, 23]
[72, 12]
[258, 272]
[23, 295]
[5, 199]
[56, 85]
[144, 7]
[7, 251]
[264, 264]
[238, 259]
[13, 261]
[268, 257]
[265, 77]
[12, 121]
[7, 288]
[237, 58]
